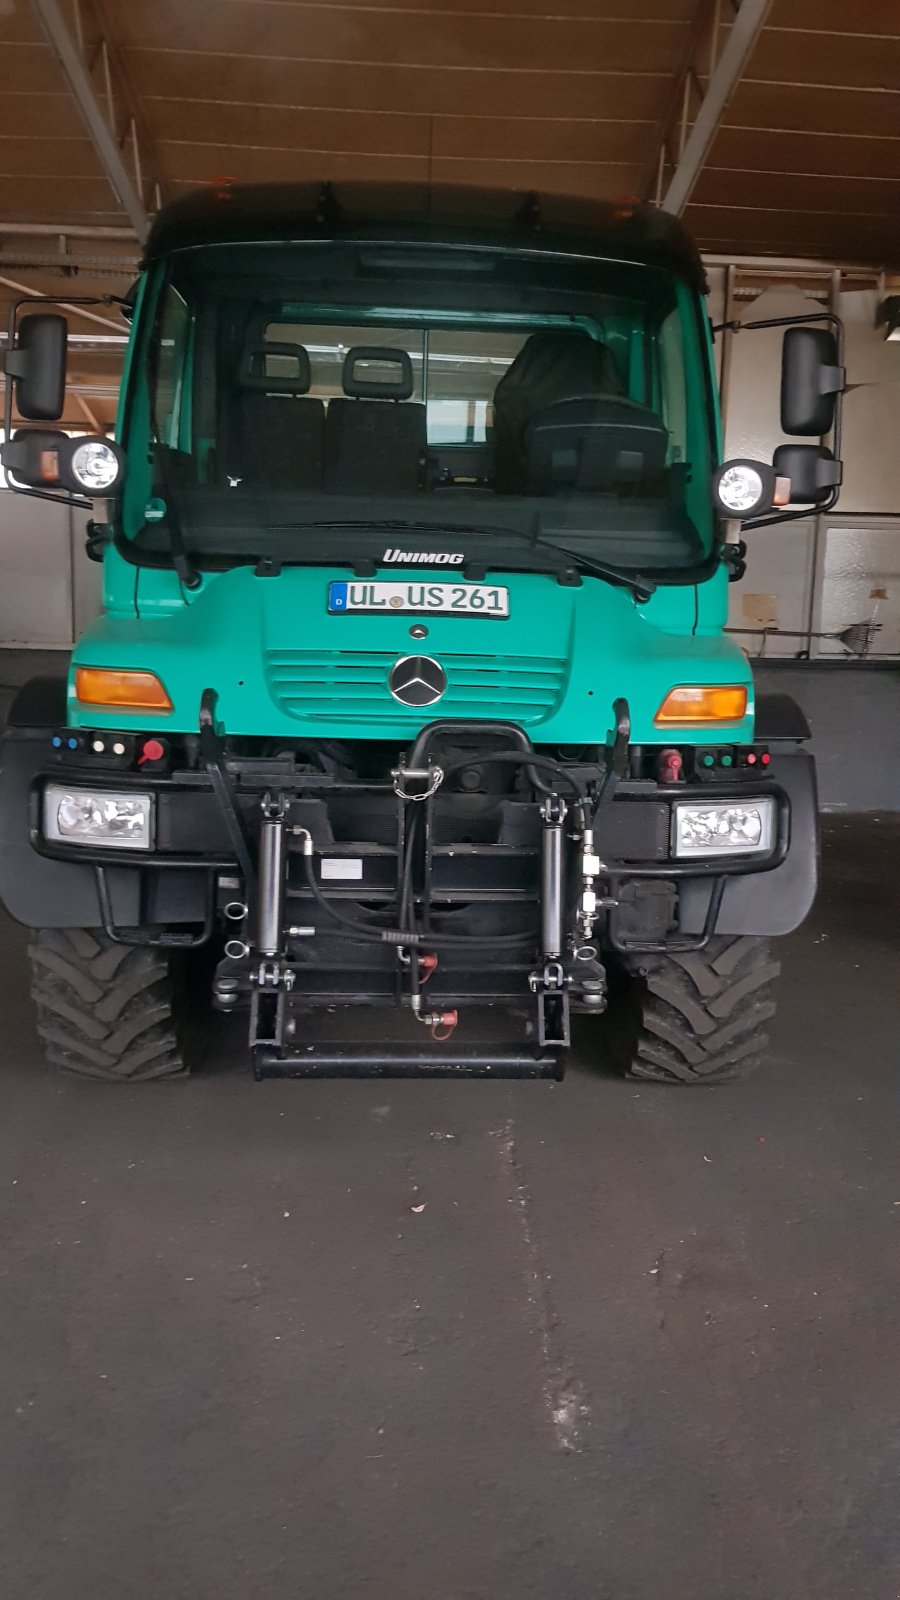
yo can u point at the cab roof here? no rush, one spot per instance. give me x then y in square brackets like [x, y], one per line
[230, 213]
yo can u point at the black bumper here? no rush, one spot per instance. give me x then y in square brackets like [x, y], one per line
[42, 885]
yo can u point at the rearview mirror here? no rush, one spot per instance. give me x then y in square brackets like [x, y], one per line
[811, 381]
[813, 471]
[32, 456]
[37, 366]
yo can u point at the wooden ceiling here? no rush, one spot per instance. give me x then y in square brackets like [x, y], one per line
[575, 96]
[564, 95]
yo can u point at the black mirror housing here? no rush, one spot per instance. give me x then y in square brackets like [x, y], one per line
[34, 456]
[811, 380]
[37, 365]
[814, 473]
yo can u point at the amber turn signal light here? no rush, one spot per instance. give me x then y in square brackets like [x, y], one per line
[108, 686]
[700, 702]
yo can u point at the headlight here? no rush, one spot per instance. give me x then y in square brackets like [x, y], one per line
[723, 827]
[85, 816]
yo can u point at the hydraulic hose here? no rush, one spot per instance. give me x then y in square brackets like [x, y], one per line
[399, 936]
[520, 758]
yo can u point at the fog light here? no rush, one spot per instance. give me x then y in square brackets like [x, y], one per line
[723, 828]
[87, 816]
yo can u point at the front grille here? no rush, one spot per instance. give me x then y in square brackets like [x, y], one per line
[351, 685]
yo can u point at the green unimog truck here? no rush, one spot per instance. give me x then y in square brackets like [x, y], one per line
[411, 687]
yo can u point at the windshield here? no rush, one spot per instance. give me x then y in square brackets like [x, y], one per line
[299, 403]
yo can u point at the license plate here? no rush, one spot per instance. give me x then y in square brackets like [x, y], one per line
[454, 599]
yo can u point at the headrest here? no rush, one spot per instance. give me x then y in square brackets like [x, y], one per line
[392, 378]
[258, 360]
[554, 365]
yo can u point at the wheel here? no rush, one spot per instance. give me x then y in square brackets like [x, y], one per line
[694, 1018]
[108, 1010]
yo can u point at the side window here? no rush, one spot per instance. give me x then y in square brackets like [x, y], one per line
[673, 386]
[174, 331]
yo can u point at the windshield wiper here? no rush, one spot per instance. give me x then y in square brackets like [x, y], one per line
[640, 586]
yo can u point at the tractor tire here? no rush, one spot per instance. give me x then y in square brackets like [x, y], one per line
[696, 1018]
[107, 1010]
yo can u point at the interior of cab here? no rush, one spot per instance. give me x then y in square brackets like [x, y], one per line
[552, 400]
[540, 413]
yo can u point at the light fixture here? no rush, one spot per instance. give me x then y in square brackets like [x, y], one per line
[115, 686]
[92, 465]
[723, 828]
[98, 817]
[689, 703]
[743, 488]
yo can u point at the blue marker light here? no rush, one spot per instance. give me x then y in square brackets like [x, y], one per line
[72, 744]
[56, 742]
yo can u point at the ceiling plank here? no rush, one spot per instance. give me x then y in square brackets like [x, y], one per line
[833, 61]
[780, 150]
[805, 108]
[438, 90]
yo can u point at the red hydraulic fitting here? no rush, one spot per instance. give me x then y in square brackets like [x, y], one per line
[669, 766]
[443, 1024]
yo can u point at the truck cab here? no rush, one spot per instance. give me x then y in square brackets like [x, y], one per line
[411, 688]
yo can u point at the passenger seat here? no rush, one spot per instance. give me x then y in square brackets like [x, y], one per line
[278, 430]
[375, 439]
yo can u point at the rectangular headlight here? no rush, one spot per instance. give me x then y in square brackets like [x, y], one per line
[723, 827]
[98, 817]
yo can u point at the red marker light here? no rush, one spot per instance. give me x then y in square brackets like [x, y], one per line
[153, 750]
[765, 758]
[751, 759]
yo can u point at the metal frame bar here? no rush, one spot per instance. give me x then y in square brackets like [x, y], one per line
[723, 80]
[70, 55]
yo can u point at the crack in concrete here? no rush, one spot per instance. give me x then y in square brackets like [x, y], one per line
[565, 1396]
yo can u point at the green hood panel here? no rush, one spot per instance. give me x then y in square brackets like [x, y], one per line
[284, 667]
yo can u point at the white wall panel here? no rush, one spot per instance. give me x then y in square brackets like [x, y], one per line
[777, 589]
[861, 582]
[35, 572]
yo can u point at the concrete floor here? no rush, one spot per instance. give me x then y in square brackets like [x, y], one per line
[639, 1345]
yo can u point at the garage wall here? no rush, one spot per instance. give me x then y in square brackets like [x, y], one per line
[825, 573]
[49, 590]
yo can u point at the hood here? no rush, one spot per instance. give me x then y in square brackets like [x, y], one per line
[284, 666]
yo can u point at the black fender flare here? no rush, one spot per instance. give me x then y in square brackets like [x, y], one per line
[775, 902]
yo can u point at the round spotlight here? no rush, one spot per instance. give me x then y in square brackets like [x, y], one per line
[743, 488]
[95, 466]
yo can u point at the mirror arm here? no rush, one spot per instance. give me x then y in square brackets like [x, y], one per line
[47, 494]
[794, 516]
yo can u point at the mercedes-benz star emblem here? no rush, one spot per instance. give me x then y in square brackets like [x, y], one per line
[417, 681]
